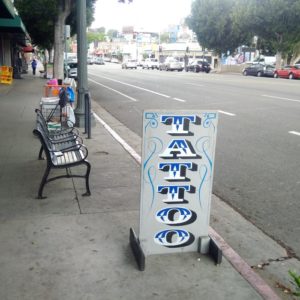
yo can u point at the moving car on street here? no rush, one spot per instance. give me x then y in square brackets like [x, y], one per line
[290, 72]
[259, 70]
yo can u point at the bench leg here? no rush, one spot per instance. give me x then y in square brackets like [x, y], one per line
[43, 182]
[40, 153]
[87, 176]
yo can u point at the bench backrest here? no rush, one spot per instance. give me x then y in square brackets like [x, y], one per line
[47, 145]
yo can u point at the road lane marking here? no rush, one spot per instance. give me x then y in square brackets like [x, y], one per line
[131, 85]
[233, 257]
[194, 84]
[281, 98]
[109, 88]
[180, 100]
[294, 132]
[226, 113]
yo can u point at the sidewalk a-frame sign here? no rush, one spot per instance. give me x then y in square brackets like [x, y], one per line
[176, 184]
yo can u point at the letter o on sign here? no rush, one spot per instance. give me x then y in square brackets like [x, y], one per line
[172, 238]
[173, 215]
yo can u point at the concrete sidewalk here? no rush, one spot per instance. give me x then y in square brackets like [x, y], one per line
[72, 247]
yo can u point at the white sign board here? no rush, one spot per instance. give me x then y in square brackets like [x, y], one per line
[176, 180]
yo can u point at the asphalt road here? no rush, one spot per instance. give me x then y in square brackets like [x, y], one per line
[257, 169]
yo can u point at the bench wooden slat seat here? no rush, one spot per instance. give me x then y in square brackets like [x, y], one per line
[62, 155]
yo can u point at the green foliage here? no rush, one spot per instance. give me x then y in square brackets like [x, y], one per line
[112, 33]
[271, 20]
[223, 25]
[95, 37]
[212, 21]
[39, 17]
[296, 282]
[165, 37]
[72, 19]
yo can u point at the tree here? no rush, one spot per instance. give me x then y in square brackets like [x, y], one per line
[38, 20]
[45, 21]
[95, 37]
[112, 33]
[165, 37]
[212, 22]
[274, 21]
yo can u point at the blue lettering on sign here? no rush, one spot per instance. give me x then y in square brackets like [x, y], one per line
[175, 193]
[180, 124]
[176, 170]
[174, 215]
[179, 149]
[172, 238]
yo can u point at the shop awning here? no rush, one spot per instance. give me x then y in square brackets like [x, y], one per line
[7, 9]
[12, 25]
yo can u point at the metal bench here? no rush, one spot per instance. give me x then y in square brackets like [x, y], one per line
[64, 137]
[61, 154]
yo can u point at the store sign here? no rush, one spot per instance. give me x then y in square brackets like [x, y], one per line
[176, 182]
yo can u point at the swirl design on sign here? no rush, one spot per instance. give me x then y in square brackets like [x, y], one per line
[153, 123]
[208, 120]
[154, 145]
[205, 170]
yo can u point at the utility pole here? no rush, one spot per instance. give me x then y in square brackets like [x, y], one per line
[82, 62]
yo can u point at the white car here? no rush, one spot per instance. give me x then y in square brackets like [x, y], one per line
[150, 63]
[129, 64]
[171, 64]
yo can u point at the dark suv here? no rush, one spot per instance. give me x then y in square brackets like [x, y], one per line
[199, 66]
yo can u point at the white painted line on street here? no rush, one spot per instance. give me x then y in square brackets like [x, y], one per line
[107, 87]
[233, 257]
[281, 98]
[194, 84]
[180, 100]
[226, 113]
[294, 132]
[127, 147]
[134, 86]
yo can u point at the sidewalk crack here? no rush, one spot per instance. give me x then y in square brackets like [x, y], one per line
[261, 265]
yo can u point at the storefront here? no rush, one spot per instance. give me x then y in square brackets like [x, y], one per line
[13, 37]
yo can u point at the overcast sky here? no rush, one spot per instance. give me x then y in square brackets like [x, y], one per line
[148, 15]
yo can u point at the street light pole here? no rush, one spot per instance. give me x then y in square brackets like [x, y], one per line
[82, 62]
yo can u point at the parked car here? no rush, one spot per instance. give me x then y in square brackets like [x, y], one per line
[199, 66]
[171, 64]
[90, 60]
[70, 70]
[114, 60]
[129, 64]
[259, 70]
[99, 60]
[150, 63]
[291, 72]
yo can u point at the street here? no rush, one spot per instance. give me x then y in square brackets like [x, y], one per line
[258, 141]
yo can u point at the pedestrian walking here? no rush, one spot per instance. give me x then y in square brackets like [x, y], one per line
[33, 65]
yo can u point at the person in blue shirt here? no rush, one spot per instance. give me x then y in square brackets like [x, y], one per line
[33, 65]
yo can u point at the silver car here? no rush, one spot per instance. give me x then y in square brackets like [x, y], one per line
[171, 64]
